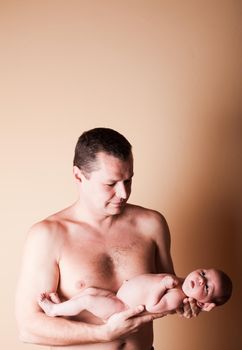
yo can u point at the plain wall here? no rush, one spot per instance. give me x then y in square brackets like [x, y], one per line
[167, 75]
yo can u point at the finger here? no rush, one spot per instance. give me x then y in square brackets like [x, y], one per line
[149, 317]
[133, 312]
[194, 307]
[41, 297]
[187, 310]
[158, 315]
[180, 311]
[146, 318]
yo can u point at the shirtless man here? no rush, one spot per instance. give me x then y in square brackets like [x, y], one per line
[99, 241]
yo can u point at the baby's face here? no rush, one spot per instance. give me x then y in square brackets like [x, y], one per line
[202, 285]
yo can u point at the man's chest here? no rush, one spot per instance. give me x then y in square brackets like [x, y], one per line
[104, 264]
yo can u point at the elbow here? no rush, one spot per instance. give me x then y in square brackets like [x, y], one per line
[26, 331]
[25, 335]
[27, 322]
[29, 332]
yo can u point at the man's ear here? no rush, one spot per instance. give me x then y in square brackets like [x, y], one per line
[77, 173]
[206, 306]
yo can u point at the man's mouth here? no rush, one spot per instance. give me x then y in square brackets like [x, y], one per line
[118, 204]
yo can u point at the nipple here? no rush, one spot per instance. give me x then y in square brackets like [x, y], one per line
[80, 285]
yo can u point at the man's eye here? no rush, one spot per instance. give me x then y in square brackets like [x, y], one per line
[110, 185]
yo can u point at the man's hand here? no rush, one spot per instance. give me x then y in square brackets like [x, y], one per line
[189, 308]
[127, 322]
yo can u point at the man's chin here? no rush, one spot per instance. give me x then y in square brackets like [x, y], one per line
[116, 208]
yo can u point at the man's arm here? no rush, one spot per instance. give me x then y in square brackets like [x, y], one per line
[162, 238]
[40, 272]
[164, 263]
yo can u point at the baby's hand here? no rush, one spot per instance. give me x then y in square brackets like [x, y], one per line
[169, 282]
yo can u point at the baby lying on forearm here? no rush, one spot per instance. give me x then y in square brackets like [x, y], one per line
[159, 293]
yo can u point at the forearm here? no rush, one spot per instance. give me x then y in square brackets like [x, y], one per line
[44, 330]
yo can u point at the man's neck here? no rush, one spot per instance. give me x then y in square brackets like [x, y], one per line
[100, 221]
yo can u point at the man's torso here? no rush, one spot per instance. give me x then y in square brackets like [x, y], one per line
[90, 258]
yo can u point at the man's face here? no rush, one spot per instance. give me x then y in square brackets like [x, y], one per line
[202, 285]
[107, 189]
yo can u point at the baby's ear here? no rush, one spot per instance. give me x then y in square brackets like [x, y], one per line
[206, 306]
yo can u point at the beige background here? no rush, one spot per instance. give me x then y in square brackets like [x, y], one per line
[164, 73]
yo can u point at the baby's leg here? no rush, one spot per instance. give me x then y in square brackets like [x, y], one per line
[102, 306]
[70, 307]
[46, 304]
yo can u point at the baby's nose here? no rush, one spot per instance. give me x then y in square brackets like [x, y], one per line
[201, 280]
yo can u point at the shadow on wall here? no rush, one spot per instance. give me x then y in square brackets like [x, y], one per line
[206, 227]
[211, 216]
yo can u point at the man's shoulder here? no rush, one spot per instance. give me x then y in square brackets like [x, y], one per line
[53, 223]
[146, 217]
[50, 228]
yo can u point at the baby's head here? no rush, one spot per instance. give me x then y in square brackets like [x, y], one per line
[210, 287]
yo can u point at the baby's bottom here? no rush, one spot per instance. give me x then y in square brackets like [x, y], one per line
[104, 306]
[100, 303]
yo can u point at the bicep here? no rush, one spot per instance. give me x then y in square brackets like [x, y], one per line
[39, 272]
[163, 257]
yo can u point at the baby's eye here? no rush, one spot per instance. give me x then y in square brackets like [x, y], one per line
[202, 273]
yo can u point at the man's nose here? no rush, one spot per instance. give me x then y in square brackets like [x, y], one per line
[121, 191]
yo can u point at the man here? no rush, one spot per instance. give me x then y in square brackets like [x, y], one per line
[99, 241]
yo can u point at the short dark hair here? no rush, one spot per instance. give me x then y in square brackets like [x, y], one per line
[96, 140]
[226, 287]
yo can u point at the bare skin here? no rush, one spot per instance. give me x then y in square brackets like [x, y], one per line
[99, 241]
[159, 293]
[147, 289]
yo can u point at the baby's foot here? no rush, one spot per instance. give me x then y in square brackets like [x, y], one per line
[55, 298]
[46, 305]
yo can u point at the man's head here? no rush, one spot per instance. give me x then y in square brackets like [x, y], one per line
[210, 287]
[97, 140]
[103, 167]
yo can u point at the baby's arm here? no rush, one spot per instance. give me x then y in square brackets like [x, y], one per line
[156, 301]
[168, 303]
